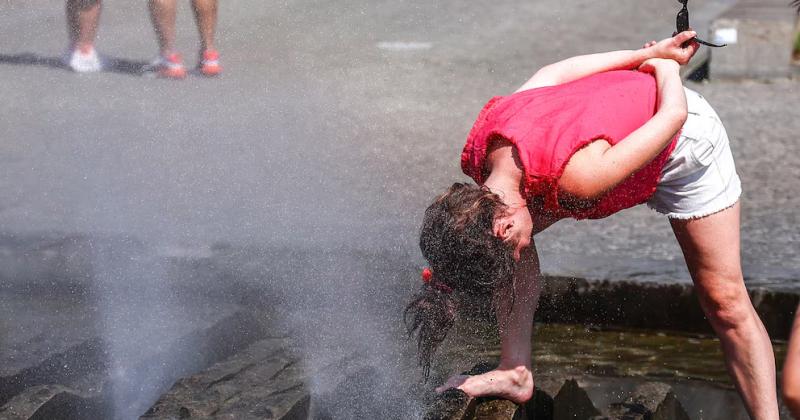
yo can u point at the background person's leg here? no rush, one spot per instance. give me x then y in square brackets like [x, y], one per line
[791, 370]
[205, 13]
[711, 248]
[163, 14]
[83, 18]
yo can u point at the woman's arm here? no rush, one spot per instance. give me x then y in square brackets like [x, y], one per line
[512, 379]
[599, 167]
[515, 312]
[585, 65]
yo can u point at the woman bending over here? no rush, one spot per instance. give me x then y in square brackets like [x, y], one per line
[585, 138]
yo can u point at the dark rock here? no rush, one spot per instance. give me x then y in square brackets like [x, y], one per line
[659, 398]
[572, 403]
[540, 406]
[83, 369]
[452, 404]
[621, 303]
[650, 401]
[79, 367]
[492, 408]
[266, 380]
[347, 386]
[52, 402]
[497, 409]
[776, 310]
[650, 305]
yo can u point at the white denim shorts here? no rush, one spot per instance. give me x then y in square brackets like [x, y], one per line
[699, 178]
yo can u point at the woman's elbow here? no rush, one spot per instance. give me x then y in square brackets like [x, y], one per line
[583, 186]
[676, 115]
[681, 116]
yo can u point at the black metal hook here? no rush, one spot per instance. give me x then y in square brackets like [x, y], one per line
[682, 24]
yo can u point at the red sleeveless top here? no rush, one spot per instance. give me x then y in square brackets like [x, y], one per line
[548, 125]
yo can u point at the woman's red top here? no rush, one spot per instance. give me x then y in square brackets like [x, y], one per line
[548, 125]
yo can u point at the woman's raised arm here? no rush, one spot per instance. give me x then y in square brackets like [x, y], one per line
[585, 65]
[599, 167]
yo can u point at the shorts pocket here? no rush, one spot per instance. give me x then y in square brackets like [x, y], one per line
[702, 152]
[706, 147]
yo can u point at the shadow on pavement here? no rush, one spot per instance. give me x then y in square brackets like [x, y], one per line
[110, 64]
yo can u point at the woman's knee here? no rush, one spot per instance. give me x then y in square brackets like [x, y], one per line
[727, 306]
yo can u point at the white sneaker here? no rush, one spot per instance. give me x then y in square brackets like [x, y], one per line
[81, 62]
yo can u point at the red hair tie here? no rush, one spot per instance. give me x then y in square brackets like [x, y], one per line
[427, 276]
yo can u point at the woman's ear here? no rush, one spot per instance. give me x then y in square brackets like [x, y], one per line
[503, 227]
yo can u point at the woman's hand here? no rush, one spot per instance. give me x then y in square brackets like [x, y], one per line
[514, 384]
[672, 48]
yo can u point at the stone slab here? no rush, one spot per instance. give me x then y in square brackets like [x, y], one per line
[81, 367]
[496, 409]
[454, 404]
[121, 385]
[53, 402]
[650, 401]
[572, 402]
[265, 380]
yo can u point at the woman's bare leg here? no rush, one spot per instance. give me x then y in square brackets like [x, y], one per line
[711, 248]
[791, 370]
[205, 13]
[163, 13]
[83, 17]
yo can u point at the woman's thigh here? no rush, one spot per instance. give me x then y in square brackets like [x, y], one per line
[711, 248]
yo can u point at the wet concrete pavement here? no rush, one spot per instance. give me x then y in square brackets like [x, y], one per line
[316, 135]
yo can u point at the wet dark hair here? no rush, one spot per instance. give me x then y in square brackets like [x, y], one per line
[464, 255]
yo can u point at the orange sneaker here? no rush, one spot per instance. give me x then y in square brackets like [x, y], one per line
[170, 66]
[209, 63]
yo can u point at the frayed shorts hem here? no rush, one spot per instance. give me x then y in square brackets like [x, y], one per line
[699, 214]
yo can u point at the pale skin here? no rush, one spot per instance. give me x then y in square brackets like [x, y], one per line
[594, 170]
